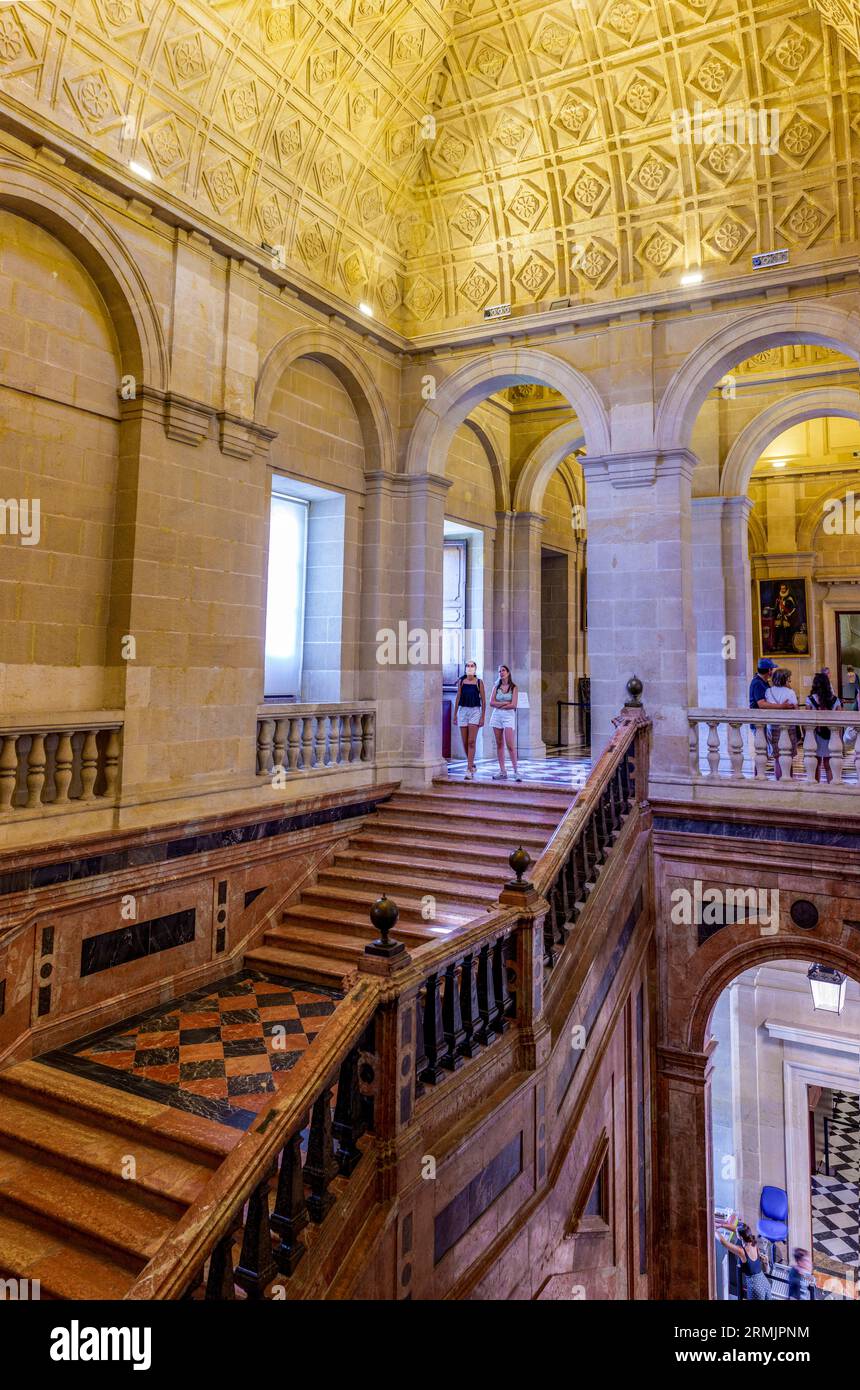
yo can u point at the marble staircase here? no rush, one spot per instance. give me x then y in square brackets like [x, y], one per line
[441, 854]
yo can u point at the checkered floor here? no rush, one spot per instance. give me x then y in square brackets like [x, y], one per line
[219, 1052]
[836, 1218]
[569, 773]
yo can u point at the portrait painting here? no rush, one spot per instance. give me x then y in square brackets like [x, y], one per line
[783, 617]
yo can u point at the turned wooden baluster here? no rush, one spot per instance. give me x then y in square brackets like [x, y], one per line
[433, 1030]
[368, 738]
[293, 743]
[626, 783]
[256, 1268]
[452, 1021]
[500, 985]
[89, 764]
[576, 888]
[469, 1006]
[8, 770]
[486, 996]
[111, 763]
[221, 1280]
[348, 1124]
[290, 1215]
[320, 1163]
[35, 771]
[279, 746]
[548, 944]
[265, 729]
[320, 740]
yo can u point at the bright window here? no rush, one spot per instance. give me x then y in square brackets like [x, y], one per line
[285, 605]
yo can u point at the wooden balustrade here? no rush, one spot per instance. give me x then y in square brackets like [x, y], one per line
[736, 745]
[58, 760]
[299, 1144]
[306, 738]
[569, 867]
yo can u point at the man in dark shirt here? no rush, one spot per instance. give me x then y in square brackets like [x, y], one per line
[758, 691]
[801, 1284]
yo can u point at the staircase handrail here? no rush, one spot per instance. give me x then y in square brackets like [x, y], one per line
[213, 1214]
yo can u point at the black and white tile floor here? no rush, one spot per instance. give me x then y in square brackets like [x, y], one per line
[569, 773]
[836, 1198]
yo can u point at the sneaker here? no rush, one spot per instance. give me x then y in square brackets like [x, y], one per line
[517, 777]
[470, 777]
[500, 777]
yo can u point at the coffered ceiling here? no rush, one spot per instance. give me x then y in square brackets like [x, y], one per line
[436, 158]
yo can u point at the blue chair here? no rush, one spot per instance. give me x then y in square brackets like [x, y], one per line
[773, 1214]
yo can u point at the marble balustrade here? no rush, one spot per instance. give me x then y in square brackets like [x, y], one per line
[735, 745]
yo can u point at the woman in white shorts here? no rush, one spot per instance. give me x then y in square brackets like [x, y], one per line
[470, 708]
[503, 722]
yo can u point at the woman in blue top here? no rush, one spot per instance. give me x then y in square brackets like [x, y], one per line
[503, 722]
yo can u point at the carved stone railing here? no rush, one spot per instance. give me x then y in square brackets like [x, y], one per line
[55, 760]
[300, 1143]
[735, 746]
[568, 870]
[307, 738]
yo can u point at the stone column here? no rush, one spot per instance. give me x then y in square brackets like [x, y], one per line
[525, 657]
[736, 571]
[721, 589]
[499, 649]
[686, 1224]
[641, 615]
[422, 559]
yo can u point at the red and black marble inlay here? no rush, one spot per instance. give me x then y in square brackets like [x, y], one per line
[220, 1052]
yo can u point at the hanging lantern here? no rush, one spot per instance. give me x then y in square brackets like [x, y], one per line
[828, 988]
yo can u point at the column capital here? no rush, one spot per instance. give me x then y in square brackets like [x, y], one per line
[680, 1064]
[639, 468]
[736, 506]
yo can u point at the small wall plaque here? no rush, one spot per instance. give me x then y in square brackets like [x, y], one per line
[765, 259]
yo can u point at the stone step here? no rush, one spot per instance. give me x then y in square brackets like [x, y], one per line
[453, 852]
[457, 832]
[360, 861]
[321, 941]
[306, 966]
[359, 924]
[64, 1269]
[456, 808]
[337, 882]
[168, 1182]
[87, 1211]
[490, 794]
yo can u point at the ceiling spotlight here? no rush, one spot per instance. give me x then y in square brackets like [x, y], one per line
[828, 988]
[692, 277]
[141, 170]
[365, 309]
[778, 463]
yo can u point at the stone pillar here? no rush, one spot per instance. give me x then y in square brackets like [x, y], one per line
[721, 596]
[422, 562]
[686, 1223]
[500, 648]
[641, 615]
[525, 657]
[736, 571]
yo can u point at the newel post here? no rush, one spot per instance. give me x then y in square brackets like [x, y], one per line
[534, 1032]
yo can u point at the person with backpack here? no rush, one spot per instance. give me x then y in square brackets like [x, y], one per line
[821, 696]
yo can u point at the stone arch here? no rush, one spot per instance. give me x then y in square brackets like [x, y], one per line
[823, 324]
[39, 197]
[324, 346]
[772, 422]
[813, 516]
[542, 462]
[757, 535]
[458, 395]
[501, 487]
[744, 955]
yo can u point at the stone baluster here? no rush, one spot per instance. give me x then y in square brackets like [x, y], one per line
[469, 1006]
[420, 1054]
[782, 749]
[8, 770]
[307, 742]
[736, 750]
[433, 1031]
[695, 770]
[810, 758]
[265, 728]
[760, 746]
[293, 743]
[111, 764]
[836, 754]
[220, 1282]
[320, 1163]
[256, 1268]
[336, 740]
[500, 984]
[63, 762]
[35, 771]
[368, 738]
[290, 1215]
[354, 738]
[713, 747]
[320, 740]
[279, 746]
[348, 1125]
[89, 764]
[486, 996]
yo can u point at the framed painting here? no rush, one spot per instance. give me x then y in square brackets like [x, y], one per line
[783, 617]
